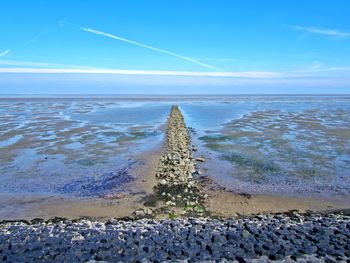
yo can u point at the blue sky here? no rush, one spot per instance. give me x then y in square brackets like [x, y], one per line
[193, 46]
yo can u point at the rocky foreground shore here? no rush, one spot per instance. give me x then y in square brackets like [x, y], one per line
[289, 237]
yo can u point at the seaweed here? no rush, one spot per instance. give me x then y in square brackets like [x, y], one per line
[260, 166]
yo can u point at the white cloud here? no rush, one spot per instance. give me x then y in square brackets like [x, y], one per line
[335, 33]
[247, 74]
[160, 84]
[321, 69]
[5, 52]
[147, 46]
[311, 71]
[32, 64]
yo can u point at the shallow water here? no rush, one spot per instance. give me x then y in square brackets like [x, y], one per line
[73, 147]
[83, 147]
[288, 145]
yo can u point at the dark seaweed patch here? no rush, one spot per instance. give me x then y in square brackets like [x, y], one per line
[106, 184]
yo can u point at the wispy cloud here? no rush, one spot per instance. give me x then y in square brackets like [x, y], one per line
[316, 70]
[246, 74]
[317, 78]
[319, 71]
[5, 52]
[149, 82]
[334, 33]
[32, 64]
[149, 47]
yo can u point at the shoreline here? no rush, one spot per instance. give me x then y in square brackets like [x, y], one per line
[220, 204]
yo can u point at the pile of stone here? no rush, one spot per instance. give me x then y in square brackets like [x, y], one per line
[261, 238]
[176, 185]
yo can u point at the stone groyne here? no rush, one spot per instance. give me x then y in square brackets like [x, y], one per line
[176, 186]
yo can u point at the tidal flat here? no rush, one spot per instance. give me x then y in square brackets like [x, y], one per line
[97, 156]
[304, 151]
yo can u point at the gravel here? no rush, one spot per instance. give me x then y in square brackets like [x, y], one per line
[261, 238]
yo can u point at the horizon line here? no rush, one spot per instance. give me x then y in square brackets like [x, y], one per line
[174, 94]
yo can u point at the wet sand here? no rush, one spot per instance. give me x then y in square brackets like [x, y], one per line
[227, 204]
[117, 206]
[224, 202]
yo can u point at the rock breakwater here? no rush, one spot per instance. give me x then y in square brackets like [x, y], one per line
[176, 185]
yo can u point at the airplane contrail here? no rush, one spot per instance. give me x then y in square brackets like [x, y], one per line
[147, 46]
[5, 52]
